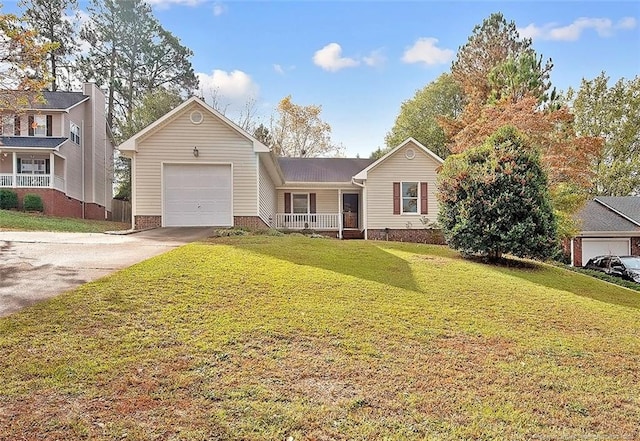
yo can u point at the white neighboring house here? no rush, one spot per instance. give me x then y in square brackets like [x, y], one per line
[61, 150]
[194, 167]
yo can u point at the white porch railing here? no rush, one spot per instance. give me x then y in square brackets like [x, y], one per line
[315, 221]
[32, 181]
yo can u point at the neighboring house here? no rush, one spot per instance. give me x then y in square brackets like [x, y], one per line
[609, 225]
[61, 150]
[194, 167]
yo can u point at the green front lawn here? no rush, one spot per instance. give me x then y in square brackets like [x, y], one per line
[17, 220]
[277, 338]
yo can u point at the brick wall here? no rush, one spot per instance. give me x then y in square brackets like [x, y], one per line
[58, 204]
[577, 251]
[635, 246]
[144, 222]
[253, 222]
[409, 235]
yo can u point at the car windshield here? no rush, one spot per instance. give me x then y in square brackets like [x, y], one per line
[631, 262]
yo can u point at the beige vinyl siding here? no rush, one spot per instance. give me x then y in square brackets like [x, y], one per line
[379, 188]
[174, 143]
[326, 200]
[266, 196]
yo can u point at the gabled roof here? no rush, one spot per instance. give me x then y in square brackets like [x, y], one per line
[35, 142]
[611, 214]
[131, 143]
[58, 100]
[363, 173]
[321, 169]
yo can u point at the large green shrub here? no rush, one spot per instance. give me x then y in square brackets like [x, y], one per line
[32, 202]
[8, 199]
[495, 199]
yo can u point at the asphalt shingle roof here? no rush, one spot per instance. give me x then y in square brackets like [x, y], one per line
[596, 216]
[31, 142]
[322, 169]
[56, 100]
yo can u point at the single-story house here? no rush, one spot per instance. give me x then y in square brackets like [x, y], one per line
[608, 225]
[62, 150]
[194, 167]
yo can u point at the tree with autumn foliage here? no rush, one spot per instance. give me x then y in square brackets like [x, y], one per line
[505, 82]
[298, 131]
[23, 69]
[494, 199]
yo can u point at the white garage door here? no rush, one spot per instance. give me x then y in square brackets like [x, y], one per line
[197, 195]
[600, 247]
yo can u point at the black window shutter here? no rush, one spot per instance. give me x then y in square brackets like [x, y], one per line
[19, 166]
[287, 202]
[47, 167]
[49, 125]
[31, 130]
[312, 203]
[16, 126]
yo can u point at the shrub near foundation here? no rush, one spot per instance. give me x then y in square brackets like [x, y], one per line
[8, 200]
[32, 202]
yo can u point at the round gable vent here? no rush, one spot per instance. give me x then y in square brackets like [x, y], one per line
[410, 153]
[196, 117]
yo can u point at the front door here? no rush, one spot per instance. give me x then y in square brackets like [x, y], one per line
[350, 210]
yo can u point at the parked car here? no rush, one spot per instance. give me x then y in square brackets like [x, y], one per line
[627, 267]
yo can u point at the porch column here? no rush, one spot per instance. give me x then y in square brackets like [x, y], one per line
[14, 179]
[51, 170]
[340, 213]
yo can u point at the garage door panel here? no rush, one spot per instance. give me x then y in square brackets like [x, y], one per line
[197, 195]
[602, 247]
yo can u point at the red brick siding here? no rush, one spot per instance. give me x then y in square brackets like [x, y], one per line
[144, 222]
[58, 204]
[409, 235]
[577, 251]
[253, 222]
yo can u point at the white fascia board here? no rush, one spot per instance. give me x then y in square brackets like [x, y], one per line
[608, 234]
[363, 173]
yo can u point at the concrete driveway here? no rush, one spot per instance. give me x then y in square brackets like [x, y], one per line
[38, 265]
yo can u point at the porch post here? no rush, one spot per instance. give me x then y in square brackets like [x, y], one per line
[14, 179]
[339, 213]
[51, 170]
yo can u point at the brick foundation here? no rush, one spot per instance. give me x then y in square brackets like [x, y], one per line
[58, 204]
[409, 235]
[252, 222]
[145, 222]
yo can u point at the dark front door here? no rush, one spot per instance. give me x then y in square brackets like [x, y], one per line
[350, 210]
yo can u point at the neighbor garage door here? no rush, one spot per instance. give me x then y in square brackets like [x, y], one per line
[600, 247]
[197, 195]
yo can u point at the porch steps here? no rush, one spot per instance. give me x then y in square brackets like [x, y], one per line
[352, 234]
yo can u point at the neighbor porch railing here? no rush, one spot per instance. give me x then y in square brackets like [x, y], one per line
[312, 221]
[21, 180]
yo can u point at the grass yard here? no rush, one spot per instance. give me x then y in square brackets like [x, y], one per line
[291, 338]
[16, 220]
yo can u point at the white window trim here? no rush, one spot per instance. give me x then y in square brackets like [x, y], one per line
[32, 162]
[73, 125]
[307, 195]
[417, 198]
[37, 126]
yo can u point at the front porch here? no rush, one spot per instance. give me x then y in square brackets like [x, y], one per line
[21, 170]
[324, 210]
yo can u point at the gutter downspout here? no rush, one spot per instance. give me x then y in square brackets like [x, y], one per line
[82, 160]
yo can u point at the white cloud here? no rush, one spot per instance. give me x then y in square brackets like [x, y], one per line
[330, 58]
[604, 27]
[166, 4]
[219, 9]
[278, 69]
[375, 58]
[228, 90]
[425, 50]
[282, 70]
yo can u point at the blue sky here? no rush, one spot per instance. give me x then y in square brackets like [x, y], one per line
[361, 60]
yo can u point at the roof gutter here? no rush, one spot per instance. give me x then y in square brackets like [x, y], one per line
[353, 181]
